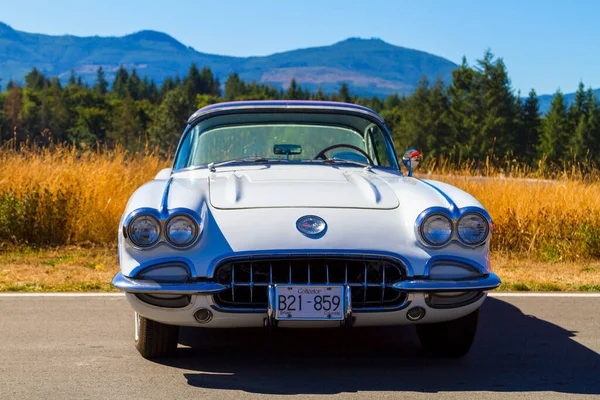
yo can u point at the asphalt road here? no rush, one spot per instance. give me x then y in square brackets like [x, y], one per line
[82, 347]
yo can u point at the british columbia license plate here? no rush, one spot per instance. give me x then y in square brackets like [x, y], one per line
[309, 302]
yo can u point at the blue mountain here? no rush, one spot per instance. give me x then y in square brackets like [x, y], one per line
[369, 66]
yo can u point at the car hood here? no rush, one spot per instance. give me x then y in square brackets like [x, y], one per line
[293, 191]
[308, 186]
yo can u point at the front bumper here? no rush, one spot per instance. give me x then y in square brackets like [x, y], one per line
[132, 285]
[419, 294]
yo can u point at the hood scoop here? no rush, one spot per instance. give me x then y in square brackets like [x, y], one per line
[310, 187]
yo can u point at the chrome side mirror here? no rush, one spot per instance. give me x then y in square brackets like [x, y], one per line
[411, 160]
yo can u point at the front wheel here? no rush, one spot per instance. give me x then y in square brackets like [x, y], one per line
[154, 339]
[449, 339]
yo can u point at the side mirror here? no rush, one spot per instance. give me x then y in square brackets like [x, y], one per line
[411, 160]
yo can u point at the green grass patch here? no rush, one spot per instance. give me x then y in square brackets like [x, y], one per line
[41, 287]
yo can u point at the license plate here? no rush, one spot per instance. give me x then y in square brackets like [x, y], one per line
[309, 302]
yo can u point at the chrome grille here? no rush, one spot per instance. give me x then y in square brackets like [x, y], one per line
[370, 280]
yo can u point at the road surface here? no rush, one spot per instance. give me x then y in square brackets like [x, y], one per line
[79, 347]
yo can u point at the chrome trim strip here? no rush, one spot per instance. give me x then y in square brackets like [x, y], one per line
[271, 321]
[131, 285]
[348, 307]
[488, 282]
[310, 253]
[283, 106]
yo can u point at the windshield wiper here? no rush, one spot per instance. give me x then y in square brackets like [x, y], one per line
[255, 159]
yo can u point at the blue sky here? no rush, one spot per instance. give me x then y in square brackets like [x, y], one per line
[545, 44]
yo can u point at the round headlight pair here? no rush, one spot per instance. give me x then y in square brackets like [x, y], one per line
[180, 230]
[437, 229]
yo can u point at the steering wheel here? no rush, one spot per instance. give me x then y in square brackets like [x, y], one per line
[322, 156]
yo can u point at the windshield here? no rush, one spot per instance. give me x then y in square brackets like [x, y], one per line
[285, 137]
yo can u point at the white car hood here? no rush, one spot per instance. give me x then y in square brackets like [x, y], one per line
[308, 186]
[294, 191]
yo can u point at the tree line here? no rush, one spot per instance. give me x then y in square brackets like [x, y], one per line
[477, 116]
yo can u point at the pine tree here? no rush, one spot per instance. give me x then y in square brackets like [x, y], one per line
[72, 78]
[320, 95]
[36, 80]
[127, 128]
[119, 87]
[193, 81]
[498, 108]
[578, 126]
[465, 110]
[210, 83]
[554, 136]
[294, 91]
[593, 122]
[152, 91]
[344, 93]
[424, 123]
[133, 85]
[167, 85]
[101, 85]
[391, 101]
[13, 104]
[234, 87]
[530, 125]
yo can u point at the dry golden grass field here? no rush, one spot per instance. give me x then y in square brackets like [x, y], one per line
[59, 209]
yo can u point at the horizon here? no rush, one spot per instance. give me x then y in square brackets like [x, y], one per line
[432, 27]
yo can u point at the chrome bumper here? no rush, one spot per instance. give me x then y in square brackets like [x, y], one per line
[488, 282]
[131, 285]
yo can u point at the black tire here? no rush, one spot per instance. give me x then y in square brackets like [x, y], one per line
[154, 339]
[451, 339]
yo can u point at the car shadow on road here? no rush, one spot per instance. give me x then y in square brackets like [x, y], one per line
[513, 352]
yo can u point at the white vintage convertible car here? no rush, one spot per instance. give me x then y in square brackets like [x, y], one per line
[297, 214]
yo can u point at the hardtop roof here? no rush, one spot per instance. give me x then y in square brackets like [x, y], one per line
[287, 105]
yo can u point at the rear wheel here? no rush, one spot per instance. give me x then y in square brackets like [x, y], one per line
[449, 339]
[154, 339]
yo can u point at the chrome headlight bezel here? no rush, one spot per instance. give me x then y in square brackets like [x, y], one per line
[162, 219]
[193, 223]
[427, 240]
[454, 215]
[131, 235]
[483, 220]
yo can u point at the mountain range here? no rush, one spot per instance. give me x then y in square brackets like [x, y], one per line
[369, 66]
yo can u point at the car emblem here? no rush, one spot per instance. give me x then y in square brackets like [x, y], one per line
[311, 225]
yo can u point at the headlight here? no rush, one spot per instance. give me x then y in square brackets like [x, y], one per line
[144, 230]
[436, 230]
[181, 230]
[473, 229]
